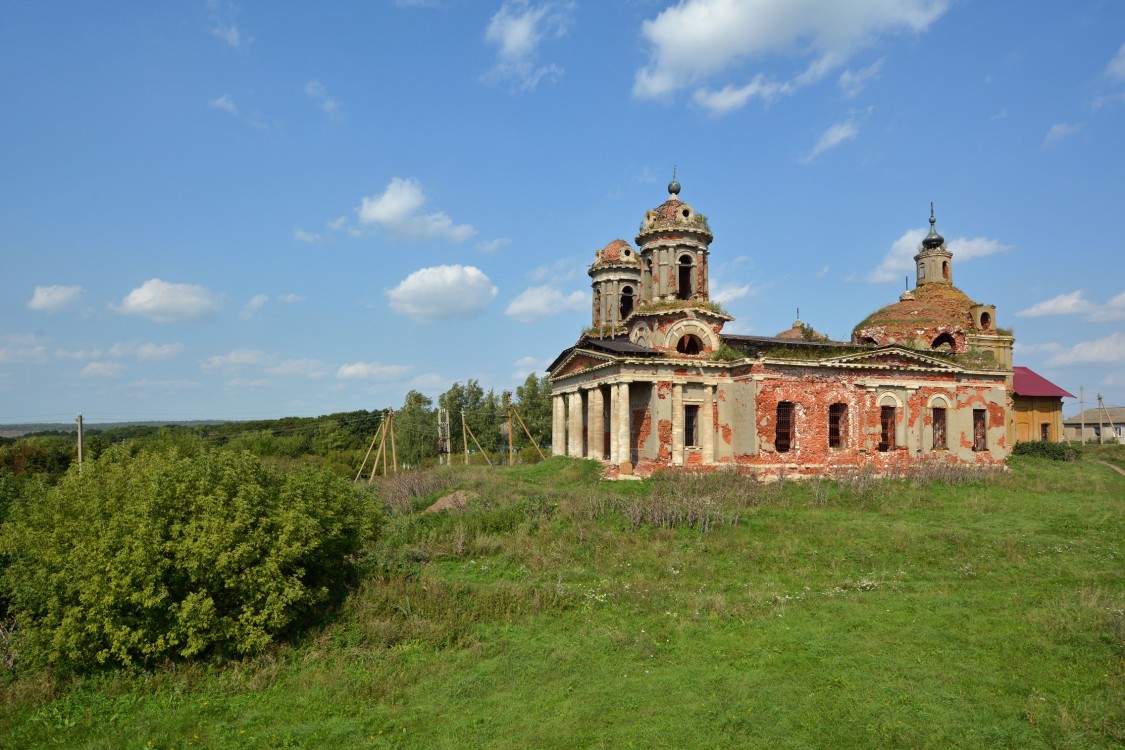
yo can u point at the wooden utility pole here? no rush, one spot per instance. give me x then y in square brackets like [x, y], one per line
[465, 436]
[79, 443]
[475, 441]
[528, 433]
[508, 409]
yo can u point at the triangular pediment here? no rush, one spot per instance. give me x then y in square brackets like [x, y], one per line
[579, 360]
[893, 357]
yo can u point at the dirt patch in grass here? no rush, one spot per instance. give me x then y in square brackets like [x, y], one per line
[453, 501]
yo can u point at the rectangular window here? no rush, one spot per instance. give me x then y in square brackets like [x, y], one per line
[838, 426]
[939, 429]
[1045, 431]
[783, 440]
[980, 429]
[691, 425]
[887, 425]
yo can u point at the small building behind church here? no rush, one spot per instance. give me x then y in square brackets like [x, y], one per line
[655, 383]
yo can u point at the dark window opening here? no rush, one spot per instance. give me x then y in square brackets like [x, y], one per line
[1045, 431]
[980, 430]
[685, 269]
[985, 321]
[887, 425]
[838, 426]
[783, 439]
[869, 340]
[944, 342]
[939, 428]
[626, 301]
[689, 344]
[921, 271]
[597, 307]
[691, 425]
[945, 269]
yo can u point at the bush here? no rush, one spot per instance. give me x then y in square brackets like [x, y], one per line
[185, 552]
[1043, 449]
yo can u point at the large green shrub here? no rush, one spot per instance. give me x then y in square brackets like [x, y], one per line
[176, 553]
[1044, 449]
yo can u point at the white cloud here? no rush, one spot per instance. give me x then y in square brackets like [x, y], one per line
[103, 369]
[517, 30]
[290, 298]
[36, 355]
[236, 360]
[54, 298]
[442, 292]
[79, 355]
[1076, 303]
[396, 209]
[697, 39]
[822, 273]
[727, 293]
[340, 222]
[730, 97]
[899, 260]
[562, 269]
[158, 351]
[1024, 350]
[831, 138]
[1112, 311]
[1060, 131]
[315, 90]
[525, 366]
[222, 16]
[165, 303]
[1108, 350]
[490, 246]
[538, 302]
[302, 236]
[1116, 67]
[225, 103]
[372, 371]
[307, 368]
[256, 303]
[1063, 304]
[852, 84]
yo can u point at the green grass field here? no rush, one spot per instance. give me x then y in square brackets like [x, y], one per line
[558, 611]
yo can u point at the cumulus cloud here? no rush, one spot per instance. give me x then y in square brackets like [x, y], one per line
[164, 302]
[517, 30]
[1063, 304]
[831, 138]
[1116, 67]
[256, 303]
[735, 97]
[310, 237]
[330, 106]
[236, 360]
[103, 369]
[1060, 131]
[54, 298]
[853, 83]
[442, 292]
[899, 260]
[397, 210]
[695, 40]
[22, 349]
[1075, 303]
[1108, 350]
[538, 302]
[727, 293]
[224, 27]
[372, 371]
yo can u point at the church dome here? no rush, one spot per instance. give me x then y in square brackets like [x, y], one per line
[801, 332]
[920, 318]
[616, 253]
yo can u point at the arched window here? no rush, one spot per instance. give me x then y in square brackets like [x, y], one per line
[689, 343]
[944, 342]
[626, 301]
[887, 418]
[869, 340]
[945, 269]
[985, 321]
[684, 289]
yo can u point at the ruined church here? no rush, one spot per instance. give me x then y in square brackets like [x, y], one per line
[655, 383]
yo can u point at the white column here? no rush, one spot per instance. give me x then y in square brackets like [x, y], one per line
[677, 424]
[623, 417]
[707, 426]
[558, 425]
[574, 426]
[595, 424]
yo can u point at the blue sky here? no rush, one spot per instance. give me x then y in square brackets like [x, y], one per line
[250, 210]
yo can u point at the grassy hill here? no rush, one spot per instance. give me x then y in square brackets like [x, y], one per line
[557, 611]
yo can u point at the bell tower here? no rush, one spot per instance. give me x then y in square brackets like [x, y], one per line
[934, 262]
